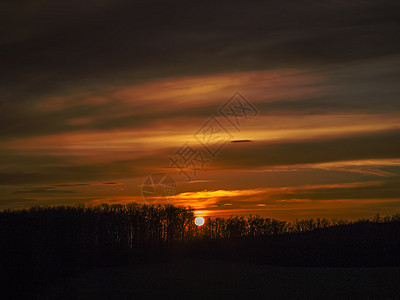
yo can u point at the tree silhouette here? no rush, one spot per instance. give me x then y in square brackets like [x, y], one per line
[49, 242]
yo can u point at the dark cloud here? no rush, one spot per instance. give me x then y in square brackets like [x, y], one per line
[241, 141]
[27, 121]
[42, 191]
[79, 50]
[389, 189]
[73, 185]
[52, 47]
[62, 49]
[13, 203]
[22, 178]
[355, 147]
[61, 173]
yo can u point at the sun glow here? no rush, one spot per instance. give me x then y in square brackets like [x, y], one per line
[199, 221]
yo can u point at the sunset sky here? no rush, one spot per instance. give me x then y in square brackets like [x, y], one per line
[98, 95]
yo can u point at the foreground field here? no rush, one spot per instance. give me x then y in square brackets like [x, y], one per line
[198, 279]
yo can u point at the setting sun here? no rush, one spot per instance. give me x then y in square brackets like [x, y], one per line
[199, 221]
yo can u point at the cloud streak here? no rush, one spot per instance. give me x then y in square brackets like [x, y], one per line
[104, 92]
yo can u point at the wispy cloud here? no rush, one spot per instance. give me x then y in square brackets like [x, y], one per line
[93, 95]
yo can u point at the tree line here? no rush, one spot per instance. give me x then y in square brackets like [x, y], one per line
[134, 225]
[42, 244]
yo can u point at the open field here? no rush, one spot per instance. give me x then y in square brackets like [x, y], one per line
[200, 279]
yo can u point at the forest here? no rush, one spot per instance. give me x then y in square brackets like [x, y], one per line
[42, 244]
